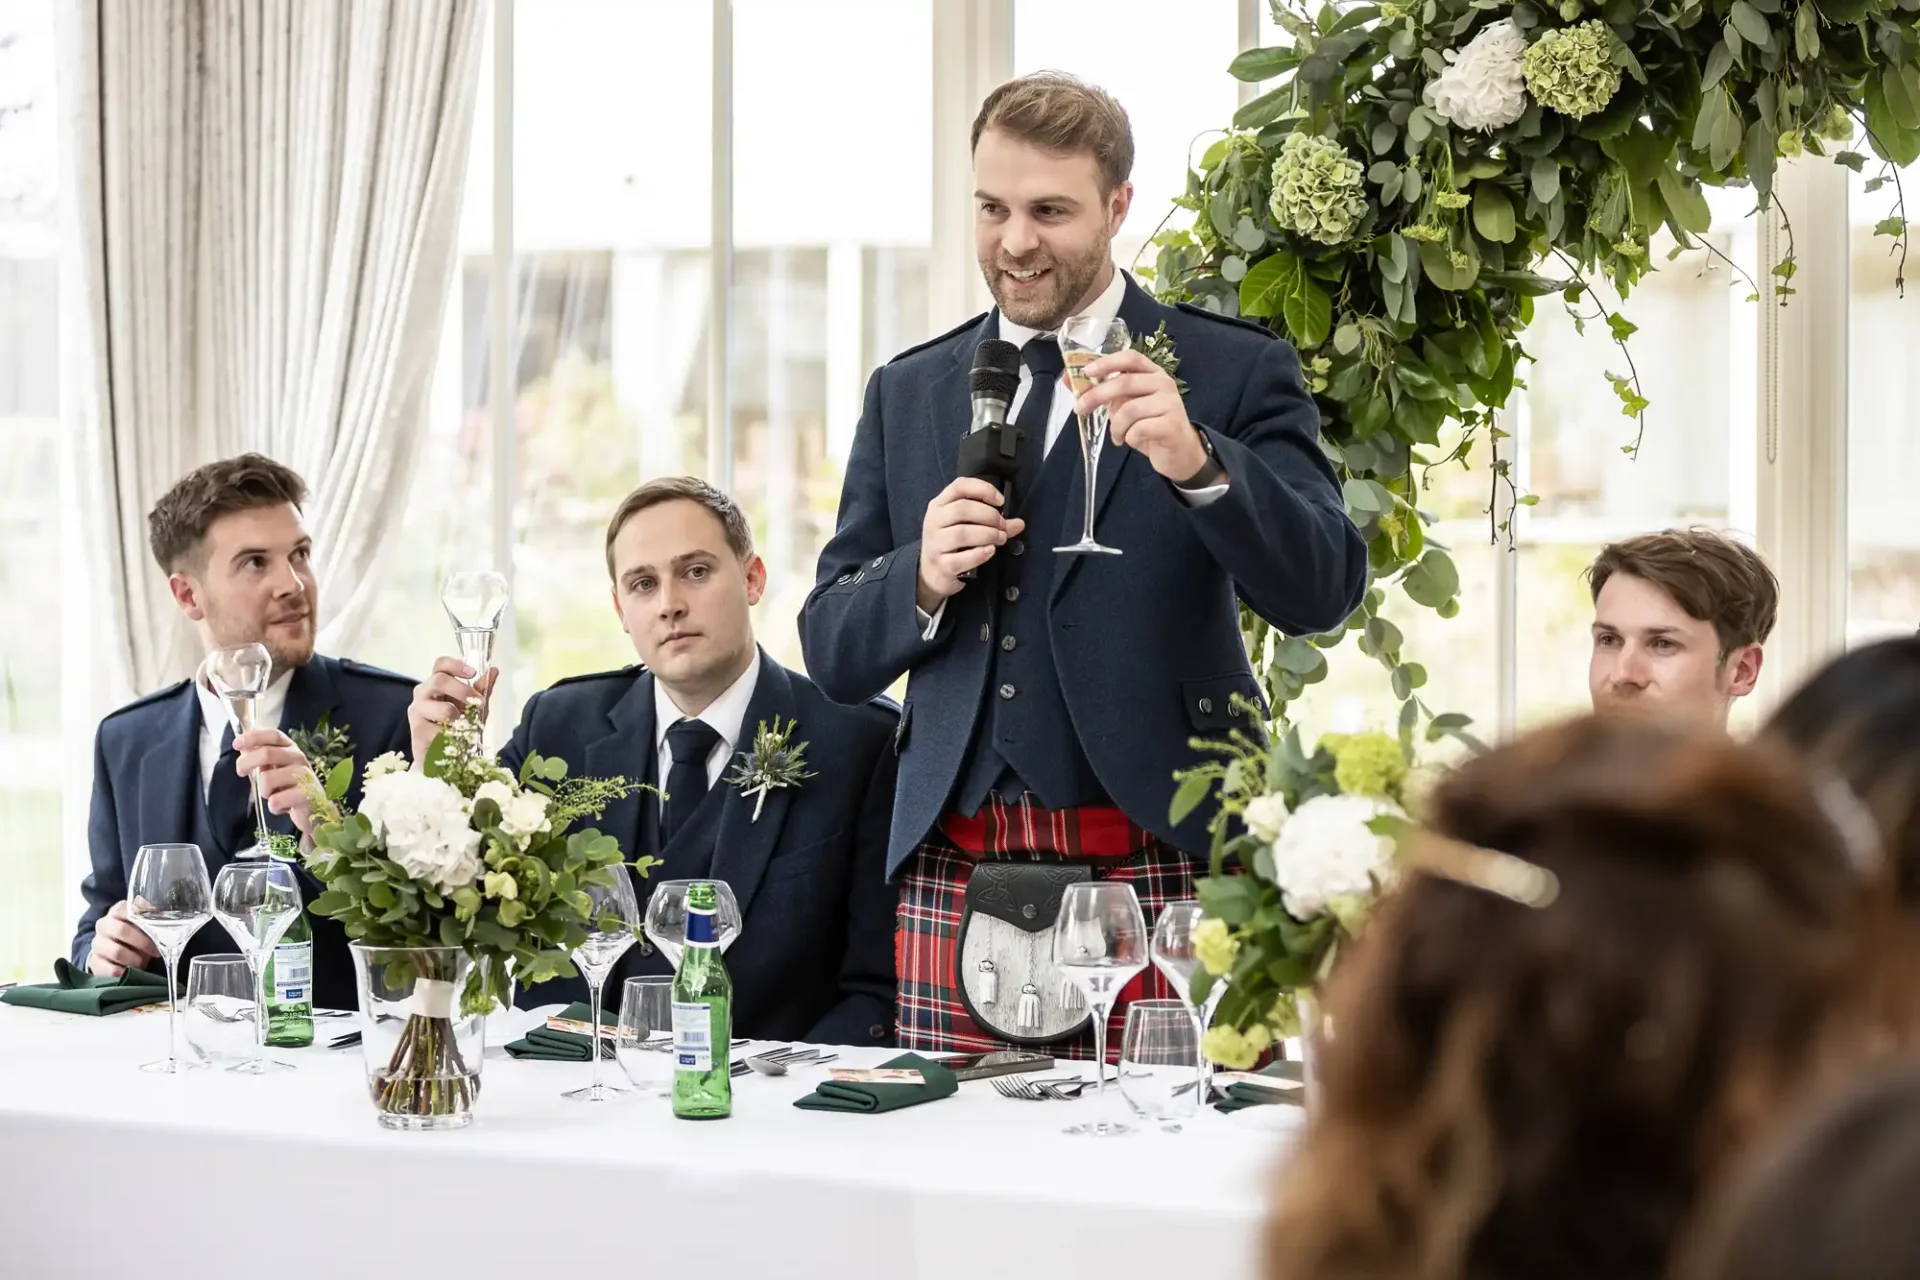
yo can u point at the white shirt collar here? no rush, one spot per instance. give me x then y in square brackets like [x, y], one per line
[267, 708]
[723, 715]
[1104, 307]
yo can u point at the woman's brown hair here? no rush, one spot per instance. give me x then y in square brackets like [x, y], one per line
[1511, 1091]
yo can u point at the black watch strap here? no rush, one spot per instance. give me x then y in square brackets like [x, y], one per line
[1210, 473]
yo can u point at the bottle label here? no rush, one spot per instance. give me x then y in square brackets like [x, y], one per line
[293, 973]
[700, 931]
[692, 1036]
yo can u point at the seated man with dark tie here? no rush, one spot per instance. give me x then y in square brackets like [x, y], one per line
[168, 769]
[807, 861]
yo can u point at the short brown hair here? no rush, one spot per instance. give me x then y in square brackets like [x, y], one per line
[1057, 112]
[1712, 577]
[177, 526]
[687, 489]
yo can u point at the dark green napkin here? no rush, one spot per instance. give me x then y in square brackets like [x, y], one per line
[544, 1044]
[835, 1095]
[74, 991]
[1241, 1095]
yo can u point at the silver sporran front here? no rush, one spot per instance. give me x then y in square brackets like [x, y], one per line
[1003, 954]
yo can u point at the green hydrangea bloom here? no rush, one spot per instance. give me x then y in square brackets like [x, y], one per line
[1368, 764]
[1426, 232]
[1318, 189]
[1571, 70]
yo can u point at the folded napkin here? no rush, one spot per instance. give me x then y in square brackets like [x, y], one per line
[75, 991]
[836, 1095]
[1246, 1095]
[544, 1044]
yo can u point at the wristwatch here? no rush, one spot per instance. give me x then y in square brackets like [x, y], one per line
[1211, 473]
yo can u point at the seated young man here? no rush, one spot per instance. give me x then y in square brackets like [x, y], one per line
[168, 769]
[1679, 621]
[814, 959]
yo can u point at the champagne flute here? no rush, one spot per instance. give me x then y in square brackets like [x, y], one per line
[1174, 957]
[168, 897]
[239, 675]
[475, 601]
[256, 899]
[1084, 339]
[666, 925]
[1100, 942]
[612, 926]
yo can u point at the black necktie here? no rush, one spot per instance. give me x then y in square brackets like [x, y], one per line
[1042, 355]
[690, 742]
[229, 803]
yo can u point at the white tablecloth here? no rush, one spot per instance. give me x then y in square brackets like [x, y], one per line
[105, 1171]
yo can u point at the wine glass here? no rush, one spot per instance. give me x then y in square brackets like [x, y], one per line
[220, 1018]
[475, 601]
[1159, 1062]
[667, 917]
[1084, 339]
[644, 1037]
[239, 675]
[611, 929]
[168, 897]
[256, 899]
[1100, 942]
[1174, 957]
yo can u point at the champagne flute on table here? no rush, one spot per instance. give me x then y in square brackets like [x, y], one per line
[475, 601]
[666, 925]
[1084, 339]
[612, 926]
[1175, 958]
[239, 675]
[1100, 942]
[169, 898]
[256, 899]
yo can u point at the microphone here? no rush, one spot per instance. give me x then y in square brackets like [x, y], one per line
[990, 450]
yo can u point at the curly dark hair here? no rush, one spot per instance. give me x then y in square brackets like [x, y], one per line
[1521, 1092]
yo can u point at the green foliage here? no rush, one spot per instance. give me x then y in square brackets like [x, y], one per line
[324, 746]
[1411, 316]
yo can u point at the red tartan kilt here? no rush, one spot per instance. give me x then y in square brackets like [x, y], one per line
[933, 892]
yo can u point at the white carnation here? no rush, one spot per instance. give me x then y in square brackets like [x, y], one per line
[423, 822]
[387, 762]
[1326, 851]
[1265, 815]
[1483, 86]
[524, 816]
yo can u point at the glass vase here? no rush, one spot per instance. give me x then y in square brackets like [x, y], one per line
[422, 1053]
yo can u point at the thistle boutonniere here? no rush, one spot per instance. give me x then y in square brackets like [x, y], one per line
[1158, 347]
[323, 745]
[775, 761]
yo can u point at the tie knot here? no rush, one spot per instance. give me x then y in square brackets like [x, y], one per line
[691, 741]
[1042, 355]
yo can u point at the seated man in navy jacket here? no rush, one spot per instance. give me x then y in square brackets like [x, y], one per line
[168, 769]
[814, 959]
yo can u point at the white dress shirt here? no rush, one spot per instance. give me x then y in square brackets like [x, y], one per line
[724, 715]
[267, 709]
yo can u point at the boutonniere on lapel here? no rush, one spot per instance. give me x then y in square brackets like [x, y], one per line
[323, 745]
[775, 761]
[1158, 347]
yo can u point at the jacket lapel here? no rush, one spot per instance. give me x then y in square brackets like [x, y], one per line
[311, 693]
[170, 778]
[623, 750]
[744, 845]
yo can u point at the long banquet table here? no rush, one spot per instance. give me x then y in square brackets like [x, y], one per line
[105, 1171]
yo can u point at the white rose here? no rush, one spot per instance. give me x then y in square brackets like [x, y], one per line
[1325, 851]
[1483, 86]
[1265, 815]
[498, 792]
[388, 762]
[424, 824]
[524, 816]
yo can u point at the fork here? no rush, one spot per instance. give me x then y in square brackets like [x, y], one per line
[1022, 1090]
[774, 1062]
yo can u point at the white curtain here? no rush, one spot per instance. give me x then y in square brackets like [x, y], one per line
[266, 198]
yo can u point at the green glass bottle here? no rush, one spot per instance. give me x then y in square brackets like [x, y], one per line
[289, 984]
[702, 1017]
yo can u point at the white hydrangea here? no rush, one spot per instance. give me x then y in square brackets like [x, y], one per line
[385, 763]
[1265, 815]
[1326, 851]
[1484, 86]
[424, 824]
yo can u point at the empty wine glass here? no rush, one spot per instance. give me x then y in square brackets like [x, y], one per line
[1084, 339]
[168, 897]
[667, 917]
[1174, 956]
[239, 675]
[475, 601]
[644, 1036]
[611, 929]
[1100, 942]
[1159, 1062]
[256, 899]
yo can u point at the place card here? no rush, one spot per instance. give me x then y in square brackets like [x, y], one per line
[875, 1075]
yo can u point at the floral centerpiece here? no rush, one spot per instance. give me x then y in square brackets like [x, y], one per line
[1314, 835]
[462, 879]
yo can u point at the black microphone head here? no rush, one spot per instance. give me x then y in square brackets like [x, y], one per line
[997, 383]
[993, 353]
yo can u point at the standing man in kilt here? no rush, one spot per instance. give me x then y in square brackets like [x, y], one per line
[1051, 697]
